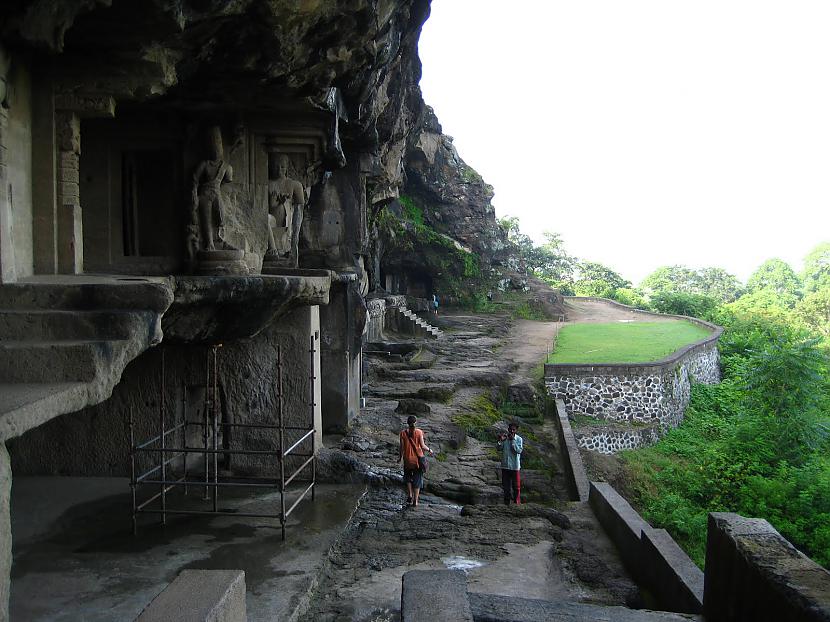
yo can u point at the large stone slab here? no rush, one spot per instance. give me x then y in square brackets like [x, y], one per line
[489, 608]
[433, 595]
[200, 596]
[753, 573]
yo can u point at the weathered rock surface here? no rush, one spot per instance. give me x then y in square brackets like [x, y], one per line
[553, 551]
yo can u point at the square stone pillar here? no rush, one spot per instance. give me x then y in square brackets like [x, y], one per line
[8, 273]
[70, 227]
[5, 531]
[340, 361]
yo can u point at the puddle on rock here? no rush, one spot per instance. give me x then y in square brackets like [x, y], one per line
[457, 562]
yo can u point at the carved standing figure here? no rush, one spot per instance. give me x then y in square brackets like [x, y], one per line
[208, 205]
[286, 200]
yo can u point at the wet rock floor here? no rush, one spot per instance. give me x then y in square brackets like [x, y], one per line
[550, 549]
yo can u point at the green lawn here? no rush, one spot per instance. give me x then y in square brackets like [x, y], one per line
[623, 342]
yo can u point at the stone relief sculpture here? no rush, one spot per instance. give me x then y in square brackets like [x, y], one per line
[206, 232]
[286, 203]
[208, 205]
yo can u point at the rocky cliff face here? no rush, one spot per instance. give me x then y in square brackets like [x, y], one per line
[445, 236]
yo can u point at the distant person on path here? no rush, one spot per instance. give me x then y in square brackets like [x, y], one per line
[411, 451]
[510, 445]
[435, 304]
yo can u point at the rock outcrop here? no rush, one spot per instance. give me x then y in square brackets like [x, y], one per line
[441, 234]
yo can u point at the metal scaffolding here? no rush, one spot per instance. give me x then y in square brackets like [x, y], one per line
[168, 451]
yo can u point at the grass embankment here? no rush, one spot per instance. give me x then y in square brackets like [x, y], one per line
[624, 342]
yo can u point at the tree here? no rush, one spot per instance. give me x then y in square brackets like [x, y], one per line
[764, 303]
[778, 276]
[681, 303]
[713, 282]
[717, 283]
[817, 268]
[596, 279]
[814, 311]
[670, 279]
[550, 261]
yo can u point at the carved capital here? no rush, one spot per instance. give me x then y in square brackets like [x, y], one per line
[85, 105]
[68, 131]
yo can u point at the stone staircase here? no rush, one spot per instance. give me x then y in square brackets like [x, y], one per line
[419, 327]
[64, 342]
[430, 595]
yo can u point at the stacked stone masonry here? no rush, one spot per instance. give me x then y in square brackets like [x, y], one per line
[652, 396]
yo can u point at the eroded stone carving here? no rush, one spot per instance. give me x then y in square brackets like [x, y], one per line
[215, 255]
[286, 203]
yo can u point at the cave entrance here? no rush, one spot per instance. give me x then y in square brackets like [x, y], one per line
[131, 188]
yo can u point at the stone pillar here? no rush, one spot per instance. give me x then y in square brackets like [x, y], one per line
[70, 225]
[5, 531]
[70, 108]
[340, 361]
[8, 272]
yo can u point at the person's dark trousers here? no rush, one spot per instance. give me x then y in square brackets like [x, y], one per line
[511, 484]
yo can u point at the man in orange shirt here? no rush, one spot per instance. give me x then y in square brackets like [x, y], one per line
[411, 451]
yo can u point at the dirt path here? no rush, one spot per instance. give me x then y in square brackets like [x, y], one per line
[527, 345]
[578, 311]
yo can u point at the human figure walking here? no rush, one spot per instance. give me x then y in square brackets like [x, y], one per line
[411, 451]
[510, 445]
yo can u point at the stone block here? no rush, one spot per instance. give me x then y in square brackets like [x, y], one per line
[620, 521]
[410, 406]
[753, 573]
[434, 595]
[670, 574]
[5, 531]
[574, 467]
[200, 596]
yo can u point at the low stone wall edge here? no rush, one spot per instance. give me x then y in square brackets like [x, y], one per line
[574, 467]
[650, 555]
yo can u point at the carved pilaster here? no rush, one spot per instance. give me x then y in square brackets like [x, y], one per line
[70, 231]
[8, 272]
[70, 108]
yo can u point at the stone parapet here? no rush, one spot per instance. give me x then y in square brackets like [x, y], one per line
[753, 573]
[650, 555]
[574, 468]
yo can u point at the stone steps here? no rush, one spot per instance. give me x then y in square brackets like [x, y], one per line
[47, 325]
[442, 595]
[423, 325]
[55, 361]
[65, 340]
[490, 608]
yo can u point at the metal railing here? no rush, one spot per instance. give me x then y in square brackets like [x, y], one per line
[168, 451]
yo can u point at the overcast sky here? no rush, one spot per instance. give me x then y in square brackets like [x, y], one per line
[645, 132]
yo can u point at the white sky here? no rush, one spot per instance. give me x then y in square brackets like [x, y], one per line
[646, 132]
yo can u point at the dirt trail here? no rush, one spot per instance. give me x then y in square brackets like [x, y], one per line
[578, 311]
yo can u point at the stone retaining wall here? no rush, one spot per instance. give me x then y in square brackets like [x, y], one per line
[651, 393]
[612, 441]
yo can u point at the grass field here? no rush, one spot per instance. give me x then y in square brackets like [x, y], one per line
[623, 342]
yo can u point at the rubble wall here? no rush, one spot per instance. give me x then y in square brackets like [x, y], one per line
[652, 395]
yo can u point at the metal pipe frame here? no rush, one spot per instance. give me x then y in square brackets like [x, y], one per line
[210, 448]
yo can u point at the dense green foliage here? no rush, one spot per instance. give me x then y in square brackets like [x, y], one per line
[757, 443]
[628, 342]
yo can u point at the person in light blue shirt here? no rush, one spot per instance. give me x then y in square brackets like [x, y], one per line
[510, 445]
